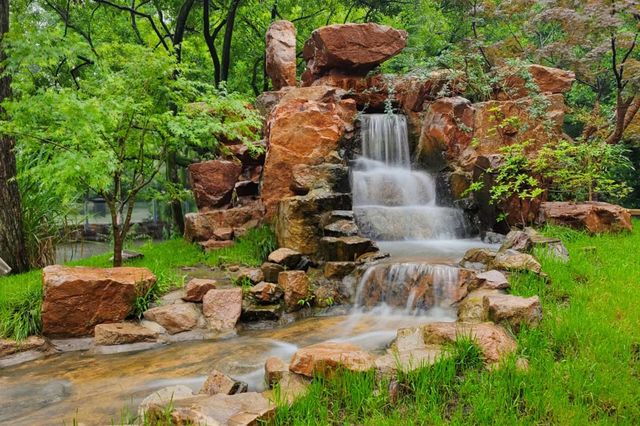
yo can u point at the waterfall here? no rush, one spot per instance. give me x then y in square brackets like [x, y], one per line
[391, 201]
[394, 204]
[411, 286]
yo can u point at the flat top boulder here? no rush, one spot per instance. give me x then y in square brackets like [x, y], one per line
[122, 333]
[355, 48]
[175, 318]
[285, 256]
[595, 217]
[493, 340]
[328, 356]
[76, 299]
[57, 275]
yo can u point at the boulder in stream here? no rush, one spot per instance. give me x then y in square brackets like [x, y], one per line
[222, 307]
[266, 293]
[323, 358]
[122, 333]
[296, 289]
[345, 248]
[175, 318]
[218, 382]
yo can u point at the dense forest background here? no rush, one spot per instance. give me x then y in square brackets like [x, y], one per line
[116, 97]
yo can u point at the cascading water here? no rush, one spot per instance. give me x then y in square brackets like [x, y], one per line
[397, 206]
[391, 201]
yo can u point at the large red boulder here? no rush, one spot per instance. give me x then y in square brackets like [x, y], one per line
[352, 48]
[76, 299]
[595, 217]
[212, 182]
[281, 54]
[304, 128]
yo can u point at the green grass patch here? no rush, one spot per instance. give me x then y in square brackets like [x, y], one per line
[584, 358]
[21, 295]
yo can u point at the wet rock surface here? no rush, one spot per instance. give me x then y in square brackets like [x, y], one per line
[219, 383]
[175, 318]
[241, 409]
[327, 357]
[222, 308]
[212, 182]
[122, 333]
[295, 285]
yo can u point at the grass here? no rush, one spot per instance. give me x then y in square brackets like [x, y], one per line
[21, 295]
[584, 359]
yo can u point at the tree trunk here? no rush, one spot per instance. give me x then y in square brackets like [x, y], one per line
[176, 206]
[228, 34]
[118, 242]
[12, 243]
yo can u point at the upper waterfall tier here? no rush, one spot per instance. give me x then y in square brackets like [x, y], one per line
[391, 201]
[385, 139]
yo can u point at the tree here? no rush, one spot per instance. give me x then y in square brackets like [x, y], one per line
[12, 244]
[110, 133]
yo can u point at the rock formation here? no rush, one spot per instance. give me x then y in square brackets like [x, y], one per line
[281, 54]
[354, 48]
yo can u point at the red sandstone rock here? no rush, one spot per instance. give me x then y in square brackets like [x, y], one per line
[223, 307]
[265, 292]
[274, 370]
[212, 182]
[31, 343]
[281, 54]
[296, 288]
[492, 339]
[204, 225]
[286, 257]
[594, 217]
[175, 318]
[197, 288]
[219, 383]
[304, 128]
[122, 333]
[326, 357]
[513, 310]
[353, 48]
[448, 127]
[76, 299]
